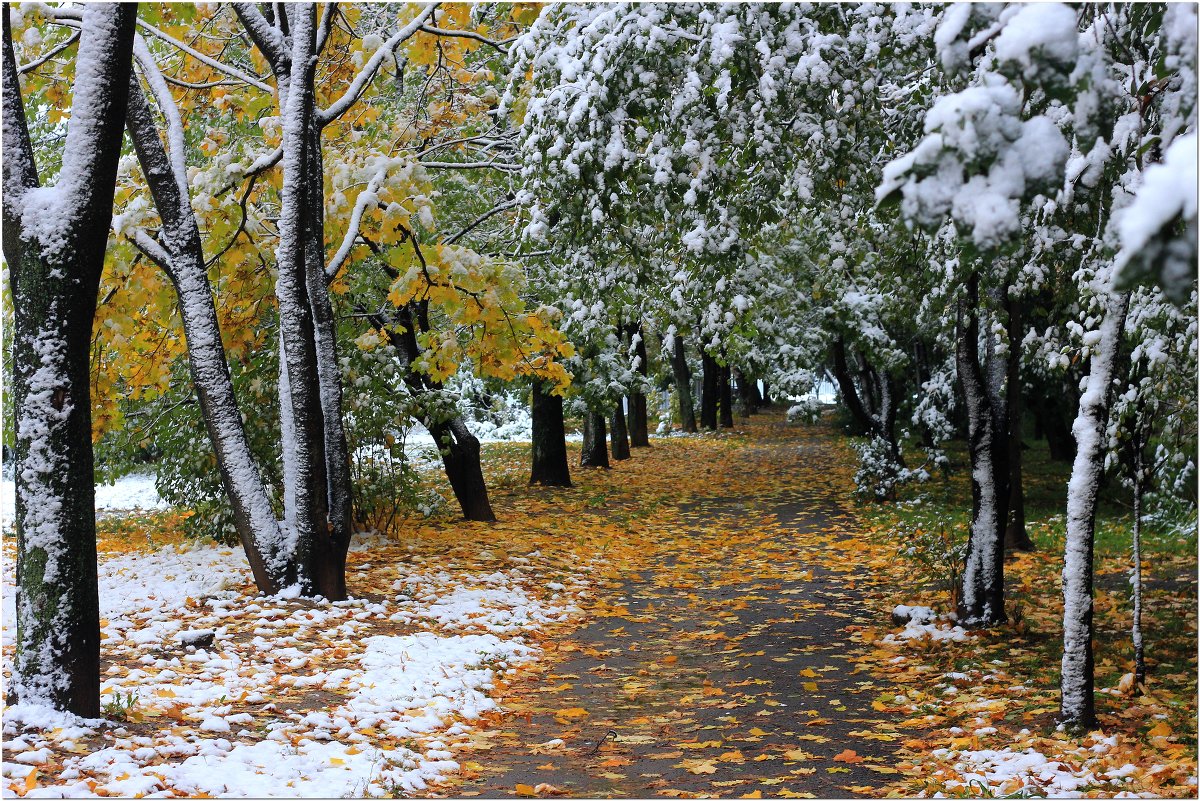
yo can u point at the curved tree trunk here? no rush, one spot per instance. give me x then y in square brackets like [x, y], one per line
[595, 449]
[683, 385]
[460, 456]
[710, 391]
[55, 280]
[619, 434]
[1078, 669]
[549, 446]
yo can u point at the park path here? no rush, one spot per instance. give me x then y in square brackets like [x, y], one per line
[718, 662]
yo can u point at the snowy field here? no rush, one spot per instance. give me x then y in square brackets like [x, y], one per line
[290, 697]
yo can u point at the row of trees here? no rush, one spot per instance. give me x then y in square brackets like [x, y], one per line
[964, 216]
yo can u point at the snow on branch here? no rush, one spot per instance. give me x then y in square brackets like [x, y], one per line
[166, 104]
[360, 82]
[366, 198]
[220, 66]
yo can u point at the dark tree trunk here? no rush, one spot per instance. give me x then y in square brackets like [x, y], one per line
[619, 435]
[459, 447]
[726, 398]
[710, 391]
[55, 279]
[747, 392]
[639, 418]
[841, 373]
[549, 447]
[595, 449]
[981, 601]
[683, 385]
[1016, 537]
[756, 397]
[1054, 419]
[460, 456]
[766, 396]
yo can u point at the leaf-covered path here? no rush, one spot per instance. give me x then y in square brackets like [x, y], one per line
[717, 658]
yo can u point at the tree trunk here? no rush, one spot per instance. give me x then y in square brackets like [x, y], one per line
[709, 391]
[981, 601]
[549, 446]
[1139, 647]
[619, 435]
[55, 278]
[306, 496]
[747, 391]
[595, 449]
[1078, 670]
[1016, 537]
[849, 392]
[639, 418]
[683, 385]
[460, 456]
[726, 398]
[183, 262]
[756, 397]
[766, 396]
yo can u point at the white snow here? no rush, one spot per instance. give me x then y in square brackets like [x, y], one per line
[129, 493]
[410, 674]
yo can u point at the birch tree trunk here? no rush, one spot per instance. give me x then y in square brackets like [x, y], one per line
[54, 243]
[1078, 705]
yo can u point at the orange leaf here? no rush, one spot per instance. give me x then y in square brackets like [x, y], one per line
[848, 756]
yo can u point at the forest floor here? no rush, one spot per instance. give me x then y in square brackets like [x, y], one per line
[710, 618]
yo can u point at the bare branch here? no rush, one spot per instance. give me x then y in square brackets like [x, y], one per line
[499, 45]
[232, 72]
[481, 219]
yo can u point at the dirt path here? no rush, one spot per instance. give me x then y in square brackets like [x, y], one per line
[720, 665]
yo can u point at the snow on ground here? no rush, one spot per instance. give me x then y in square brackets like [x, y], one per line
[291, 696]
[127, 494]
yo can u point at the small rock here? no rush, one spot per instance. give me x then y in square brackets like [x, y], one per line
[200, 638]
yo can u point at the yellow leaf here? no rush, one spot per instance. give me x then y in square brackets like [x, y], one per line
[755, 794]
[336, 761]
[573, 712]
[525, 790]
[797, 755]
[810, 686]
[1160, 730]
[757, 732]
[31, 780]
[809, 673]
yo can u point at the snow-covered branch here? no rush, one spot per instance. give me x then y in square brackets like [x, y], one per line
[367, 73]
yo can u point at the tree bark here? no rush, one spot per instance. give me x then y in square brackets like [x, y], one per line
[639, 418]
[726, 398]
[709, 391]
[549, 447]
[619, 434]
[460, 456]
[981, 600]
[1078, 705]
[766, 396]
[746, 392]
[1016, 537]
[683, 385]
[850, 397]
[595, 449]
[55, 279]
